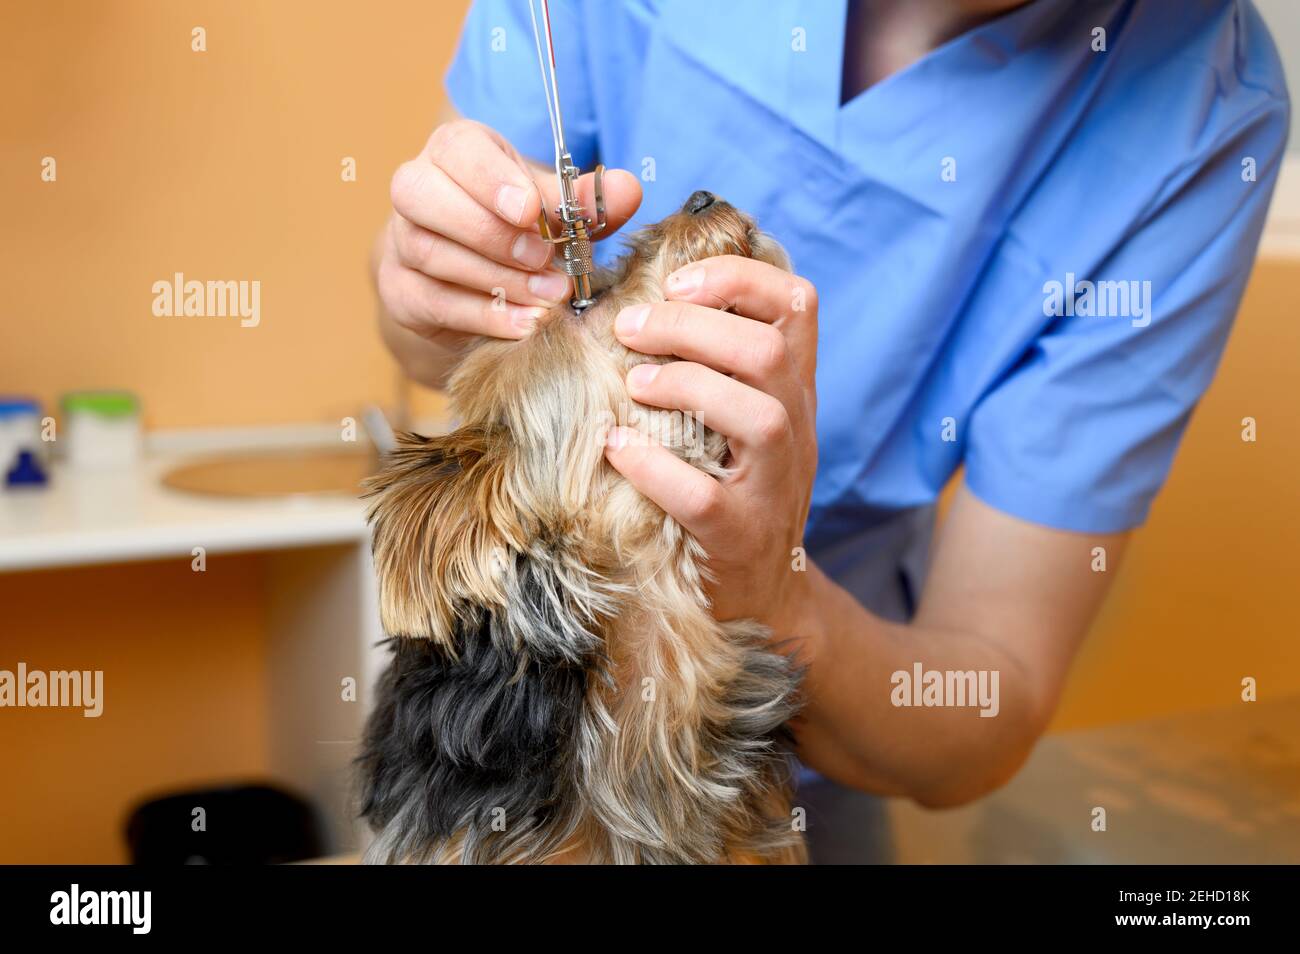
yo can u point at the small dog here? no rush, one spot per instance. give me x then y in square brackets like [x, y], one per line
[559, 691]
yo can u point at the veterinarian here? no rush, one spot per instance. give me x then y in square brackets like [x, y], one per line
[1021, 232]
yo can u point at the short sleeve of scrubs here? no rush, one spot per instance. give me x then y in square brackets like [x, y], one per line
[1082, 432]
[495, 78]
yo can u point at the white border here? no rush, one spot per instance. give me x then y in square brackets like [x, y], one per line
[1282, 230]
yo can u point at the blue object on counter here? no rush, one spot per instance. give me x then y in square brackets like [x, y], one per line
[17, 405]
[20, 428]
[26, 472]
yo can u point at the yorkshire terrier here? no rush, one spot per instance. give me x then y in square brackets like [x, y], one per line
[559, 691]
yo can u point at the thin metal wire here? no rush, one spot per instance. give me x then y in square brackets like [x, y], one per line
[574, 239]
[550, 87]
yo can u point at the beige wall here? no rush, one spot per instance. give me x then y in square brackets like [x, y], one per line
[221, 165]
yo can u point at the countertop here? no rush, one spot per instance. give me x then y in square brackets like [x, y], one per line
[127, 514]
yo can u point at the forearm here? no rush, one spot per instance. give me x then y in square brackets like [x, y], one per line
[851, 730]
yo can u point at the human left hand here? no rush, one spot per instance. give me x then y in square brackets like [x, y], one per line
[749, 374]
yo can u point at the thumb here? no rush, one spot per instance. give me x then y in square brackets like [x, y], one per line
[622, 197]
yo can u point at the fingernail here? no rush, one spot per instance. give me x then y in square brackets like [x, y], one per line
[530, 251]
[510, 202]
[642, 375]
[631, 320]
[524, 318]
[548, 285]
[686, 279]
[616, 438]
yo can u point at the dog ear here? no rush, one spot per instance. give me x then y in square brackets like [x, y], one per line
[438, 522]
[457, 527]
[495, 625]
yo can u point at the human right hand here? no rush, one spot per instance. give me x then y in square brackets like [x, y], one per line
[461, 255]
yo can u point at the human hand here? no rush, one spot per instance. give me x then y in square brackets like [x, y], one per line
[749, 374]
[461, 255]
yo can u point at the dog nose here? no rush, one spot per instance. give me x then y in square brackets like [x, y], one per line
[699, 201]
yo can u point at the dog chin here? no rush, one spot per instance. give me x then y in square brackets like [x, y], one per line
[558, 689]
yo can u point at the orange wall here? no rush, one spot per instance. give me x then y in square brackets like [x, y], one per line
[1207, 594]
[223, 165]
[184, 698]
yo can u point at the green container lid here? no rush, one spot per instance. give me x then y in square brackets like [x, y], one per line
[102, 403]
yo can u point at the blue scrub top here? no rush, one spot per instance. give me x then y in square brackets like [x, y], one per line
[951, 217]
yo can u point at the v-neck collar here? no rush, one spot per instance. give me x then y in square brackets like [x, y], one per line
[790, 63]
[794, 65]
[975, 52]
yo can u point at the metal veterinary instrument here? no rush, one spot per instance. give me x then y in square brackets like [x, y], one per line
[576, 230]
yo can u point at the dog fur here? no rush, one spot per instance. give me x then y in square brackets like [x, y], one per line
[559, 691]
